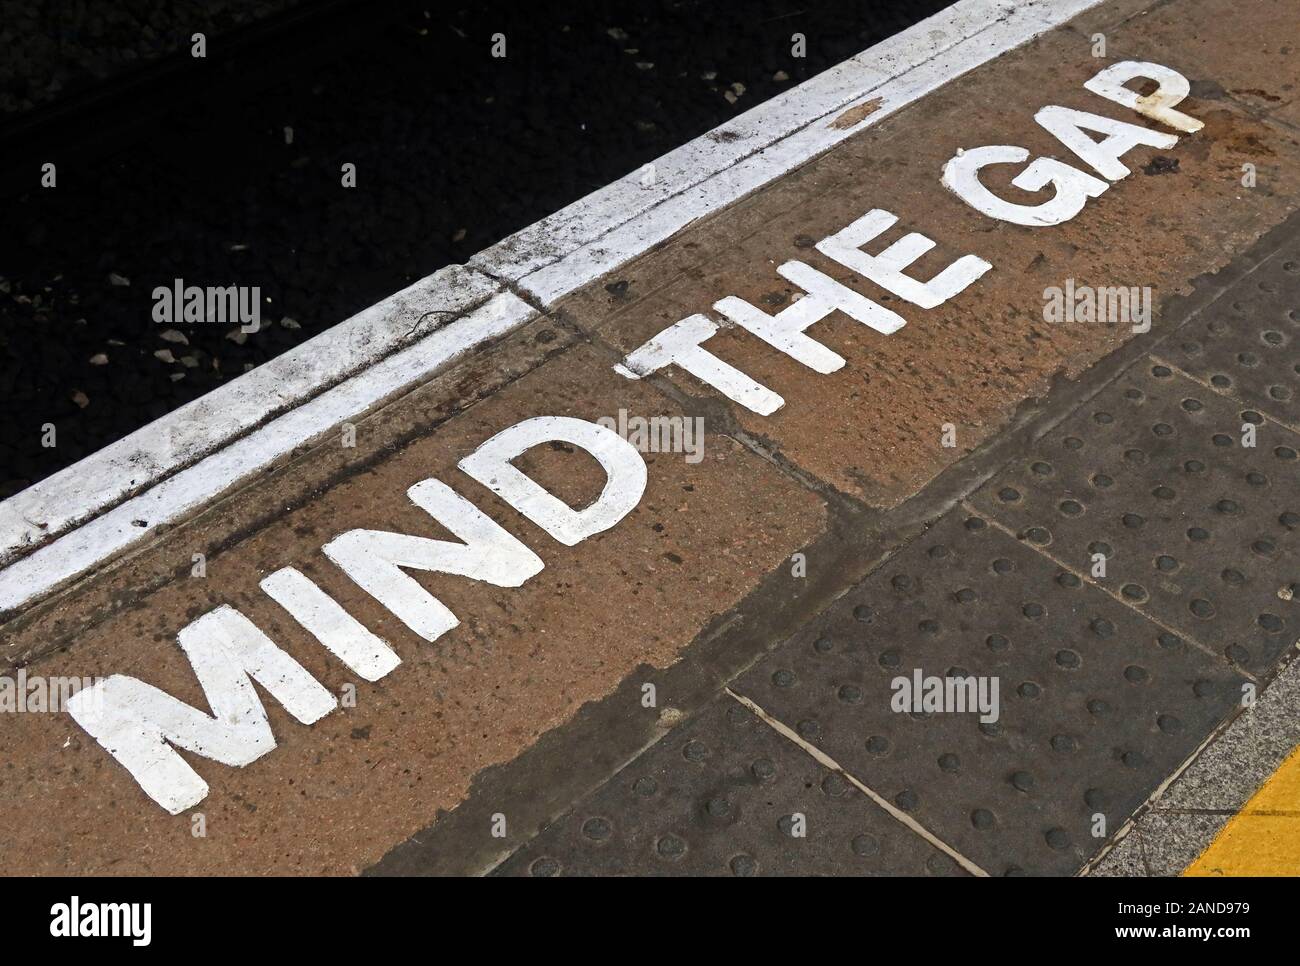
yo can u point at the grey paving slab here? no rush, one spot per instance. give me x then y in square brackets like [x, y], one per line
[1171, 841]
[1247, 346]
[726, 795]
[1151, 479]
[1125, 860]
[1097, 704]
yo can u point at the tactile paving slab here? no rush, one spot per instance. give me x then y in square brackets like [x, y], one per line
[1097, 705]
[1193, 527]
[721, 795]
[1247, 342]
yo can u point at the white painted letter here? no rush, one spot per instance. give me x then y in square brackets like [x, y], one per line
[679, 345]
[135, 721]
[1067, 126]
[886, 269]
[833, 295]
[785, 330]
[1159, 106]
[342, 634]
[1073, 187]
[374, 558]
[625, 475]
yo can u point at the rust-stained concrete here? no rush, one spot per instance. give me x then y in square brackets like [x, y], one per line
[1244, 52]
[336, 796]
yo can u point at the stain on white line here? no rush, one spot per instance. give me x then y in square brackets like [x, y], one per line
[857, 114]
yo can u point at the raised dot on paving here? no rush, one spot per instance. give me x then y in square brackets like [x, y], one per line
[1247, 346]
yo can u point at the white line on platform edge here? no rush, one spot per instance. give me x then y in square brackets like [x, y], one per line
[84, 514]
[193, 487]
[153, 452]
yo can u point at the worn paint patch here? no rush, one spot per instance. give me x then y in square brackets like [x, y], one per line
[857, 114]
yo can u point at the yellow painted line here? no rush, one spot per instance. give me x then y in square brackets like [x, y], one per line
[1264, 837]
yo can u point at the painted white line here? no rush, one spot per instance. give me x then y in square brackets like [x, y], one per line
[77, 493]
[190, 489]
[74, 520]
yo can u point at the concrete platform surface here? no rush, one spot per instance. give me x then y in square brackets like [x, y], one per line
[914, 494]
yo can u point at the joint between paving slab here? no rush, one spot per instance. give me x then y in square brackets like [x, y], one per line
[1131, 825]
[1261, 115]
[826, 761]
[1002, 528]
[716, 411]
[1281, 122]
[1251, 406]
[192, 458]
[518, 291]
[505, 854]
